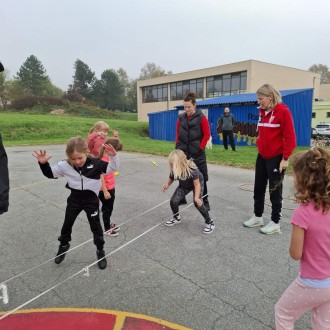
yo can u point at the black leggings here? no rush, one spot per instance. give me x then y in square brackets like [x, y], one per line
[180, 193]
[107, 207]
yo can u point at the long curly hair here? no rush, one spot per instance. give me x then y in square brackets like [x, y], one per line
[312, 177]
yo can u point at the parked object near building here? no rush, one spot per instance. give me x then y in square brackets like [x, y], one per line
[323, 129]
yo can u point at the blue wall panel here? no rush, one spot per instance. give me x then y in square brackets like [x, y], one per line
[162, 124]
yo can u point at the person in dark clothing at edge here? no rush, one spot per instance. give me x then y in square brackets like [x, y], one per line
[227, 122]
[4, 175]
[192, 134]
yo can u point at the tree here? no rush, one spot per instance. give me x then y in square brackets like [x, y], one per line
[32, 77]
[4, 88]
[151, 70]
[108, 92]
[129, 86]
[83, 79]
[131, 97]
[323, 70]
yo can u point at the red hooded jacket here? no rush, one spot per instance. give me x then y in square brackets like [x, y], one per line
[276, 132]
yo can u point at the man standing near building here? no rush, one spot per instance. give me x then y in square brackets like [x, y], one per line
[227, 122]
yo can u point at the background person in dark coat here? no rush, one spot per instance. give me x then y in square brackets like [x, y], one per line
[227, 123]
[4, 176]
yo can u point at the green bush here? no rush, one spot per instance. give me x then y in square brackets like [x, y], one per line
[28, 102]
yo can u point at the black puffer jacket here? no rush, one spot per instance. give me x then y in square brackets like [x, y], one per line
[190, 135]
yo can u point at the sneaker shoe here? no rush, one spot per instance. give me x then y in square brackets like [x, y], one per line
[61, 253]
[271, 228]
[102, 260]
[114, 227]
[209, 227]
[111, 233]
[175, 220]
[254, 222]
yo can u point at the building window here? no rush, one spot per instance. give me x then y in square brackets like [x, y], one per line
[313, 114]
[156, 93]
[328, 114]
[180, 89]
[227, 84]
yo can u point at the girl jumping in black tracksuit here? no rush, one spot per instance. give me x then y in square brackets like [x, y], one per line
[83, 179]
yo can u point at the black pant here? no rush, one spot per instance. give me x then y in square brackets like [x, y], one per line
[202, 166]
[267, 170]
[107, 207]
[180, 193]
[82, 201]
[226, 134]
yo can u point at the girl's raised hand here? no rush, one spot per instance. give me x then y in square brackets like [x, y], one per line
[110, 149]
[41, 156]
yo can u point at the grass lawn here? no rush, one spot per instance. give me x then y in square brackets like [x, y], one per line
[30, 129]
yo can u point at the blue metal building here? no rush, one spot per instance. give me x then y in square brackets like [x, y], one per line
[244, 108]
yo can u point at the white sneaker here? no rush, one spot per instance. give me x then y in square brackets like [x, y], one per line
[254, 222]
[271, 228]
[175, 220]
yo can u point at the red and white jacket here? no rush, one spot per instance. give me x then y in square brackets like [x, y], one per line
[276, 132]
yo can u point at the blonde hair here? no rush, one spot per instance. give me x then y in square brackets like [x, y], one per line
[270, 91]
[181, 166]
[100, 126]
[312, 177]
[117, 145]
[77, 143]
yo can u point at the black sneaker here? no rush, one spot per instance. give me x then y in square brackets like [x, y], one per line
[102, 261]
[61, 253]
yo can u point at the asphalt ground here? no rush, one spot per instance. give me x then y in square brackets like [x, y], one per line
[230, 279]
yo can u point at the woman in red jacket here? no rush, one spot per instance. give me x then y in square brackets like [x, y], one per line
[276, 142]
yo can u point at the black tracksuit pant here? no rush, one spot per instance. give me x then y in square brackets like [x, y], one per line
[267, 171]
[82, 200]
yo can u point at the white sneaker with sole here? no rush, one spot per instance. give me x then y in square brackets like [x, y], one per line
[254, 222]
[271, 228]
[175, 220]
[209, 227]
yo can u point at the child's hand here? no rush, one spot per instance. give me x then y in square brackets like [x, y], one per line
[115, 134]
[107, 195]
[42, 157]
[165, 187]
[109, 149]
[198, 202]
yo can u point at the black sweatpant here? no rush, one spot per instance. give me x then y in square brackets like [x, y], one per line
[180, 193]
[82, 200]
[202, 166]
[107, 207]
[228, 134]
[267, 171]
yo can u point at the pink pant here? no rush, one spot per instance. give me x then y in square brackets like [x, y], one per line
[297, 300]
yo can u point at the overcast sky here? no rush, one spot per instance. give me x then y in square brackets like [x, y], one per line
[177, 35]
